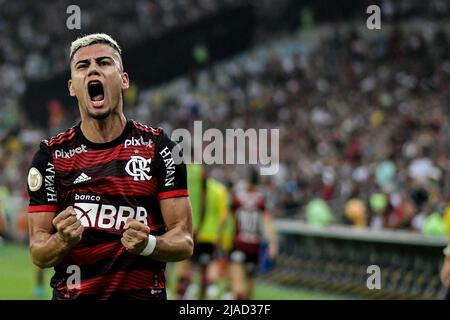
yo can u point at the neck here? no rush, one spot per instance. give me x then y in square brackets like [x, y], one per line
[102, 131]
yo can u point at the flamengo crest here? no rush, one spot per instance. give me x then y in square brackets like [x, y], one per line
[139, 168]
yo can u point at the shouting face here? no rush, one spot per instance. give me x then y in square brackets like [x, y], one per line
[97, 80]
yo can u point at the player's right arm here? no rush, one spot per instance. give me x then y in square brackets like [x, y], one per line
[445, 271]
[48, 248]
[52, 234]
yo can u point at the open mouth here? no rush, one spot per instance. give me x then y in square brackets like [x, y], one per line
[96, 93]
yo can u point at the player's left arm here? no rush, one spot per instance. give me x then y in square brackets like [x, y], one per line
[176, 243]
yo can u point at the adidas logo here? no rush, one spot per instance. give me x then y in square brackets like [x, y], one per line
[82, 178]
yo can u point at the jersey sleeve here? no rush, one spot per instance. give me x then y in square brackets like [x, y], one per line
[41, 182]
[171, 170]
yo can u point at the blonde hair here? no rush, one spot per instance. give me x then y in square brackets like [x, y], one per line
[91, 39]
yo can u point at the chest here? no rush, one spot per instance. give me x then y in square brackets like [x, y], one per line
[117, 170]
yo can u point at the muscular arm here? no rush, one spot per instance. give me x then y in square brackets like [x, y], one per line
[176, 244]
[47, 247]
[445, 270]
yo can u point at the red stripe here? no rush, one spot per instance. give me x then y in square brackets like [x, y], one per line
[62, 137]
[125, 280]
[122, 186]
[116, 191]
[145, 128]
[173, 194]
[61, 140]
[94, 253]
[84, 160]
[152, 225]
[43, 208]
[121, 280]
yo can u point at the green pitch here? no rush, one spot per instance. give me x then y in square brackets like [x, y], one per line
[17, 280]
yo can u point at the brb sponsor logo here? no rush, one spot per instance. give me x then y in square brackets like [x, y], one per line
[70, 153]
[106, 216]
[133, 142]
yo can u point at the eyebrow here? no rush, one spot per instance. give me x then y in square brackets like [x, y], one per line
[98, 59]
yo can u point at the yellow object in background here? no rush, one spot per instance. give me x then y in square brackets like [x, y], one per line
[377, 118]
[446, 219]
[355, 211]
[131, 95]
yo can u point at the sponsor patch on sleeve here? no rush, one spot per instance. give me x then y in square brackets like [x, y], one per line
[34, 179]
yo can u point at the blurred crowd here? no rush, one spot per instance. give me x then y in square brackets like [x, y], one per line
[364, 123]
[35, 38]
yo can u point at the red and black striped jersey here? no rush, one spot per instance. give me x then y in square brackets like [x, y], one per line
[248, 207]
[106, 184]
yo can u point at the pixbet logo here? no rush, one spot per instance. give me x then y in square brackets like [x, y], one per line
[69, 154]
[133, 142]
[107, 216]
[138, 167]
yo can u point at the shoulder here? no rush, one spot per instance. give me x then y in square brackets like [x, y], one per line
[60, 138]
[47, 145]
[142, 128]
[150, 134]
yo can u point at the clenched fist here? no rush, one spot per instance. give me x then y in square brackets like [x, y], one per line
[68, 226]
[135, 236]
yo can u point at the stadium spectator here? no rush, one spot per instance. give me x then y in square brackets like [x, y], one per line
[318, 213]
[355, 211]
[210, 202]
[253, 224]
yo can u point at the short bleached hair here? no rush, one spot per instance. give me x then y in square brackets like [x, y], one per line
[91, 39]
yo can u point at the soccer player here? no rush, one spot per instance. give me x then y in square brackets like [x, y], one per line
[108, 205]
[210, 209]
[253, 223]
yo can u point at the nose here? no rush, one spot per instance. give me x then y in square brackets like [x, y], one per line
[93, 70]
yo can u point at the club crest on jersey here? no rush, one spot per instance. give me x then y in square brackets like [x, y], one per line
[139, 168]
